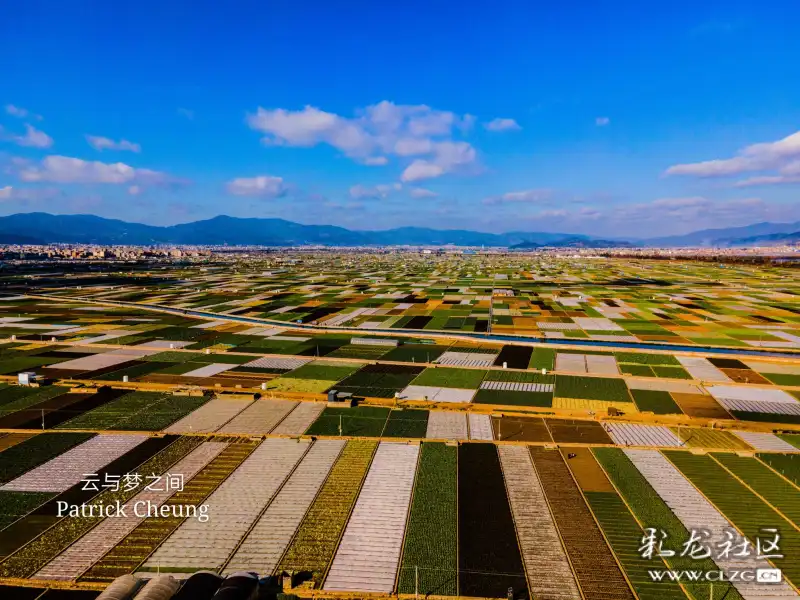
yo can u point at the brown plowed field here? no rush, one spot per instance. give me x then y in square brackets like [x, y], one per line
[597, 572]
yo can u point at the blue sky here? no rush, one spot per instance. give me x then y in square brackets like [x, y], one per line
[600, 118]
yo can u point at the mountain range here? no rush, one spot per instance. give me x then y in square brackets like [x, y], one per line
[42, 228]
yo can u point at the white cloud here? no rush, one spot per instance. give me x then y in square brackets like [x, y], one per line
[135, 190]
[502, 125]
[422, 193]
[421, 169]
[375, 132]
[264, 186]
[778, 156]
[533, 195]
[64, 169]
[16, 111]
[186, 113]
[21, 113]
[103, 143]
[763, 180]
[410, 146]
[30, 194]
[602, 121]
[32, 138]
[360, 192]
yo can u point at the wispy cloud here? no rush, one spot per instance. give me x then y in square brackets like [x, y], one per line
[103, 143]
[782, 156]
[502, 125]
[263, 186]
[523, 196]
[602, 121]
[186, 113]
[422, 193]
[32, 138]
[21, 113]
[360, 192]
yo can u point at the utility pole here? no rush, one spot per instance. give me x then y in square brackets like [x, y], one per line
[340, 425]
[42, 419]
[416, 582]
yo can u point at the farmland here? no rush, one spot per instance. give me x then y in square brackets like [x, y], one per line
[507, 422]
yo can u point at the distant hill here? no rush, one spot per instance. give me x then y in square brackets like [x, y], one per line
[768, 240]
[34, 228]
[12, 238]
[721, 237]
[90, 229]
[573, 242]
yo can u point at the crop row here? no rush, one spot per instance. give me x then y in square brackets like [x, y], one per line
[653, 512]
[36, 451]
[598, 574]
[695, 437]
[787, 465]
[315, 541]
[430, 557]
[153, 456]
[109, 415]
[742, 507]
[764, 481]
[624, 534]
[132, 551]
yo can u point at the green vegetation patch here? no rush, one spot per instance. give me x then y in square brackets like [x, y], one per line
[782, 378]
[765, 482]
[452, 378]
[14, 505]
[39, 449]
[655, 401]
[746, 511]
[637, 370]
[542, 358]
[14, 398]
[652, 511]
[366, 421]
[671, 372]
[324, 371]
[787, 465]
[407, 423]
[621, 529]
[430, 555]
[592, 388]
[642, 358]
[415, 353]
